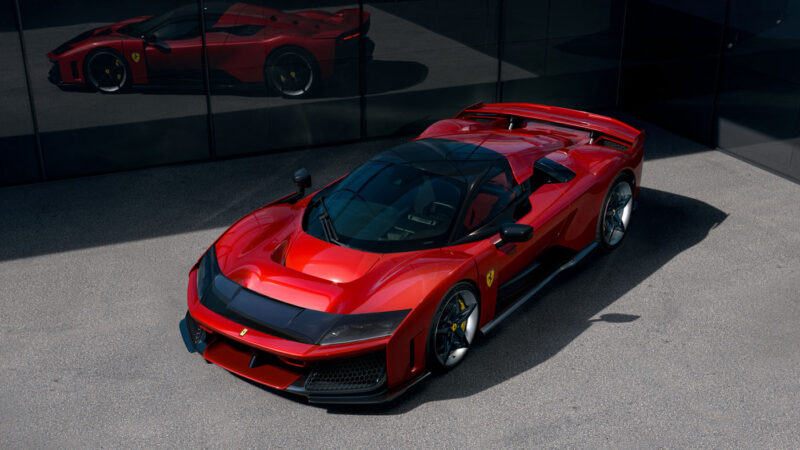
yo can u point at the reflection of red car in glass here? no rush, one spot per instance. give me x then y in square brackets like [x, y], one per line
[290, 52]
[359, 290]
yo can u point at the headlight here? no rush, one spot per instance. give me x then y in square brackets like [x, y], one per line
[360, 327]
[205, 272]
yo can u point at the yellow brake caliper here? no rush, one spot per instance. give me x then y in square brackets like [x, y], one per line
[463, 306]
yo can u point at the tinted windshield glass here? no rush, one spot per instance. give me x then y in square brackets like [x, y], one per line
[141, 28]
[388, 207]
[183, 14]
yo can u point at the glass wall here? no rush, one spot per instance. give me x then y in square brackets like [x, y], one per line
[724, 73]
[564, 52]
[18, 159]
[284, 73]
[115, 84]
[431, 59]
[119, 85]
[759, 98]
[671, 61]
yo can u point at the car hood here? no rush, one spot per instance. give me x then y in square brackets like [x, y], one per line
[327, 261]
[269, 253]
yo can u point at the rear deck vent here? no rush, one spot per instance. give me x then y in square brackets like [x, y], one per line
[611, 144]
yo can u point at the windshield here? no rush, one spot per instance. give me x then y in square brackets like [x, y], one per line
[141, 28]
[213, 11]
[387, 207]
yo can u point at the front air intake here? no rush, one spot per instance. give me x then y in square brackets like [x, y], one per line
[359, 374]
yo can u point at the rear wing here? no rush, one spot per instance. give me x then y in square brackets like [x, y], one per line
[597, 125]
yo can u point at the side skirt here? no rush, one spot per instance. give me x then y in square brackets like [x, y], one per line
[522, 299]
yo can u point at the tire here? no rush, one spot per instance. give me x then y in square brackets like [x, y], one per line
[615, 214]
[291, 72]
[107, 71]
[454, 327]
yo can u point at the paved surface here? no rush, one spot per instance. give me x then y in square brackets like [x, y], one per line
[687, 336]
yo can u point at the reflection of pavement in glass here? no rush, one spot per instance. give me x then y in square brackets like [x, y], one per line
[15, 117]
[448, 63]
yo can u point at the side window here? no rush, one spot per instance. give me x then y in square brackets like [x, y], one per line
[493, 198]
[183, 28]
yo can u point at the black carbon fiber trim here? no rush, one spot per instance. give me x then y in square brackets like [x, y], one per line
[268, 315]
[360, 374]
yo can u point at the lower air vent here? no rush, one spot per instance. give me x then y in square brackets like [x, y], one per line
[360, 374]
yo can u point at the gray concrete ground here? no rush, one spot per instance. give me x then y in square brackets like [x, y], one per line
[687, 336]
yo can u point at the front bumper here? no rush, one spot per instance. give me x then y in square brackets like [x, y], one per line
[58, 77]
[336, 379]
[55, 74]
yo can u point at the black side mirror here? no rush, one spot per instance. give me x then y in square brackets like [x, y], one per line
[152, 41]
[302, 179]
[514, 232]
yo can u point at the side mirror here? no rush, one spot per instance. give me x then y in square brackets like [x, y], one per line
[514, 232]
[302, 179]
[151, 41]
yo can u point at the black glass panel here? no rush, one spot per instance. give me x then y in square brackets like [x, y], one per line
[671, 62]
[431, 60]
[18, 162]
[759, 99]
[564, 53]
[112, 89]
[285, 74]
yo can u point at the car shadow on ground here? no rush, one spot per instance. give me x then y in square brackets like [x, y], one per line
[664, 225]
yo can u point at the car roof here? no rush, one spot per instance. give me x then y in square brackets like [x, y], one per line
[452, 158]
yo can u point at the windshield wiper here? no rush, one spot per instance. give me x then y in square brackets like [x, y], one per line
[327, 223]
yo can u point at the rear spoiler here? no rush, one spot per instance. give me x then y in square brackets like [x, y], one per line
[560, 116]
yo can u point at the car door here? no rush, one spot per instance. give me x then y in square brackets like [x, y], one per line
[500, 200]
[173, 51]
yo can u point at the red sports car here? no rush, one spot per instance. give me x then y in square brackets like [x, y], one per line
[290, 52]
[358, 291]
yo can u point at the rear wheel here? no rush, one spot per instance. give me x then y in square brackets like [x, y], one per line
[106, 70]
[454, 326]
[615, 215]
[291, 72]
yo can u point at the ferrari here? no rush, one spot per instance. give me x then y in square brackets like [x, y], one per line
[358, 291]
[289, 52]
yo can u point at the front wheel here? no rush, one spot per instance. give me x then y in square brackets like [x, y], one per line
[106, 71]
[454, 326]
[291, 72]
[615, 215]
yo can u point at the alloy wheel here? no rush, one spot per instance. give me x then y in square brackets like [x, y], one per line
[106, 71]
[617, 214]
[456, 327]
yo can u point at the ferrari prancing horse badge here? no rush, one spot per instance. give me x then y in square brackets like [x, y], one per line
[135, 56]
[489, 278]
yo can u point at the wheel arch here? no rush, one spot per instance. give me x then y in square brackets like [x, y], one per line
[315, 67]
[88, 55]
[281, 47]
[627, 173]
